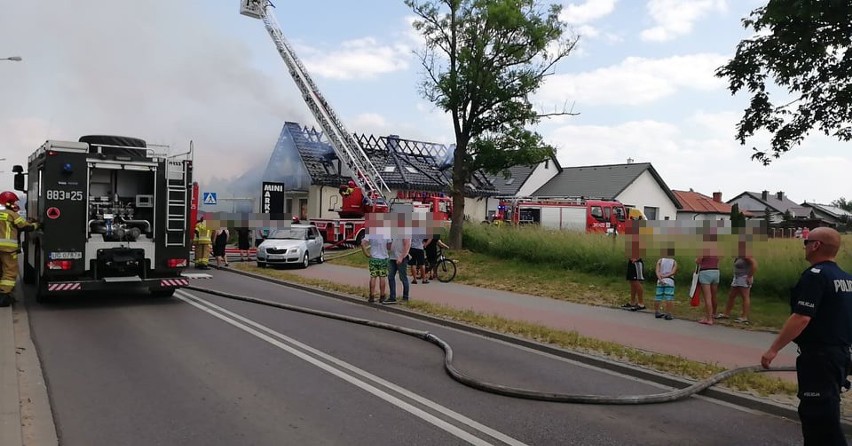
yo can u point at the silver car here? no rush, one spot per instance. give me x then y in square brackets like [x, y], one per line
[299, 245]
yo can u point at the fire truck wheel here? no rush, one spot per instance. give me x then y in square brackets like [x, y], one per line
[163, 293]
[305, 262]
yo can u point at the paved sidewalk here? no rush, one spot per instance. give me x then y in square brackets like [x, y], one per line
[726, 346]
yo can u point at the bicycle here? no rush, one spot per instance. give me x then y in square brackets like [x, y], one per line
[446, 270]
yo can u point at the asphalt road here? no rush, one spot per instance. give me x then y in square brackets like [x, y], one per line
[203, 370]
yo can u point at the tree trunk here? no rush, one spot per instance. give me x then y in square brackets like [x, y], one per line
[457, 225]
[459, 180]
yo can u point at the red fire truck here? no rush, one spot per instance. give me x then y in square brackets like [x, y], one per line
[350, 227]
[569, 213]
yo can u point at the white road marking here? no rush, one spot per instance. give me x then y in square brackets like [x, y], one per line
[256, 329]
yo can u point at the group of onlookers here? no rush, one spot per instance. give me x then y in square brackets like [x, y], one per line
[219, 241]
[707, 268]
[392, 256]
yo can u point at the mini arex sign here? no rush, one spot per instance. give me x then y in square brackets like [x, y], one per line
[272, 198]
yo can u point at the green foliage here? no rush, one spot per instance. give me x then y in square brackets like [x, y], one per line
[738, 220]
[843, 204]
[803, 46]
[483, 60]
[780, 261]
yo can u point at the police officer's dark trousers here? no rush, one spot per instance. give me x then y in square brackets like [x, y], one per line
[821, 372]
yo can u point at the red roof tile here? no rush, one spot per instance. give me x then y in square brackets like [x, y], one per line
[700, 203]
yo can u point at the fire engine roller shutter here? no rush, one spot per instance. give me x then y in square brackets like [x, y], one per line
[110, 140]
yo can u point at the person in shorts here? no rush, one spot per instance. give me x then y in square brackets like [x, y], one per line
[666, 270]
[418, 259]
[378, 263]
[635, 275]
[744, 268]
[708, 280]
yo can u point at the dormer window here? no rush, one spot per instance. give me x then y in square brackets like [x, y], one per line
[510, 181]
[410, 169]
[389, 169]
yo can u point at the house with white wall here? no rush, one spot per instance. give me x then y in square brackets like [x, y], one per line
[522, 181]
[312, 173]
[697, 206]
[776, 205]
[635, 185]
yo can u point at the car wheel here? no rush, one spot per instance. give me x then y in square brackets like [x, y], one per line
[305, 262]
[261, 264]
[321, 257]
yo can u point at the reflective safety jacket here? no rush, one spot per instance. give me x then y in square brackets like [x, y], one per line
[202, 234]
[10, 224]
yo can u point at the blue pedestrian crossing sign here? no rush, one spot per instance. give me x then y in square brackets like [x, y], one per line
[209, 198]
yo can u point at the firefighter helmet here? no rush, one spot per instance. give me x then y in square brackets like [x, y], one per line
[8, 197]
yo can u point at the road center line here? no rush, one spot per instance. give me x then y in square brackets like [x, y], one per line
[257, 330]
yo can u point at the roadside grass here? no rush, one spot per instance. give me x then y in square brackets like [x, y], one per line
[557, 282]
[754, 383]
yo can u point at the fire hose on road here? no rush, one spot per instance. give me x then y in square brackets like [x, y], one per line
[664, 397]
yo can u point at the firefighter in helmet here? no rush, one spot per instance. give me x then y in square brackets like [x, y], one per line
[203, 244]
[10, 224]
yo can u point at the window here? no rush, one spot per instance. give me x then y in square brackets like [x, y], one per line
[410, 169]
[607, 214]
[597, 212]
[651, 212]
[619, 213]
[389, 169]
[510, 181]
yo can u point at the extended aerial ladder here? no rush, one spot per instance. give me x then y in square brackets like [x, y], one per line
[364, 172]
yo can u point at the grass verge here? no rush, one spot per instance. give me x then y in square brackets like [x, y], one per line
[521, 276]
[754, 383]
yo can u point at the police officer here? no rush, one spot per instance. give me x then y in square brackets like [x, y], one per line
[10, 224]
[203, 244]
[821, 326]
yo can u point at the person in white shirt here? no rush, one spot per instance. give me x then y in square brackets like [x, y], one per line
[666, 270]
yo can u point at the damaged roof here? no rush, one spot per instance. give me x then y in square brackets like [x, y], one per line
[403, 164]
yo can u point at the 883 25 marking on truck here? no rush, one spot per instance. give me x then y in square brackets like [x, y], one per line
[113, 214]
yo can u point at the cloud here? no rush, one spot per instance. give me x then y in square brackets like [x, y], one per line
[166, 76]
[357, 59]
[701, 154]
[635, 81]
[586, 12]
[675, 18]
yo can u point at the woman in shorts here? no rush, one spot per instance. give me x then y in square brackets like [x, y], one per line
[744, 268]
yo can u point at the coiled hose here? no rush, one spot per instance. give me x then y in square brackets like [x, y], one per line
[664, 397]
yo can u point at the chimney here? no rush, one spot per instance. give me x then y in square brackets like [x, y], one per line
[717, 197]
[764, 195]
[780, 195]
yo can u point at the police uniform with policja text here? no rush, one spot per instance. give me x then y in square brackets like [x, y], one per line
[824, 292]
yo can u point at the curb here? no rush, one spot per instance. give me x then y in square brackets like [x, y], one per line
[727, 396]
[10, 398]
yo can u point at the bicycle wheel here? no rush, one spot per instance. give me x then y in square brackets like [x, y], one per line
[446, 270]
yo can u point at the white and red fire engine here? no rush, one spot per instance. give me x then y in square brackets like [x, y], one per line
[350, 227]
[568, 213]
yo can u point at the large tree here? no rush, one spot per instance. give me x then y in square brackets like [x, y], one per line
[482, 61]
[843, 203]
[801, 46]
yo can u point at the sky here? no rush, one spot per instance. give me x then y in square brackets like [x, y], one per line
[641, 81]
